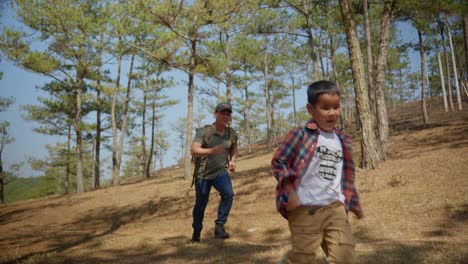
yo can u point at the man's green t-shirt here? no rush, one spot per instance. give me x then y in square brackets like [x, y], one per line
[212, 165]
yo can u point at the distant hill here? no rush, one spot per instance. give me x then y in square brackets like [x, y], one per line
[28, 188]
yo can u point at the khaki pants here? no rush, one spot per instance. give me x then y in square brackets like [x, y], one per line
[325, 227]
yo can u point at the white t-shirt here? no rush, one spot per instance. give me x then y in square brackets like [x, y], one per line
[321, 184]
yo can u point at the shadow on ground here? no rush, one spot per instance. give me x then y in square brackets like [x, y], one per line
[88, 227]
[387, 251]
[182, 251]
[393, 252]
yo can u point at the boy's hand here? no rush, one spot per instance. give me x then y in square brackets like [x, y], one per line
[293, 199]
[359, 213]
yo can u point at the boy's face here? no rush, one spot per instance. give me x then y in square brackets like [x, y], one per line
[327, 111]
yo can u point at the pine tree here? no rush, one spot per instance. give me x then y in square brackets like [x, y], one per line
[369, 145]
[5, 139]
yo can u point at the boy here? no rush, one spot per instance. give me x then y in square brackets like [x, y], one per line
[215, 147]
[315, 174]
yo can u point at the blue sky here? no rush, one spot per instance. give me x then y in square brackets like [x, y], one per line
[22, 86]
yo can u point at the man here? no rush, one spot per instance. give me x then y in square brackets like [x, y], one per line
[214, 149]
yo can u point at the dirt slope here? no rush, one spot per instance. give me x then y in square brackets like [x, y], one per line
[416, 206]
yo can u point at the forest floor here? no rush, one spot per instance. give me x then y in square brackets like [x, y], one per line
[416, 207]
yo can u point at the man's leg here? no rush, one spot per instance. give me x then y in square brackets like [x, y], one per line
[338, 242]
[202, 195]
[223, 185]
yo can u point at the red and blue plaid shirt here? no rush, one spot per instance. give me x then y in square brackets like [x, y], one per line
[293, 156]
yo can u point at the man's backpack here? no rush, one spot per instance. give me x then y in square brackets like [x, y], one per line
[210, 130]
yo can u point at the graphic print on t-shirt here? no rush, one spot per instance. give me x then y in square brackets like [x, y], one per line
[328, 162]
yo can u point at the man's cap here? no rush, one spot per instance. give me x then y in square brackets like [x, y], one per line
[223, 107]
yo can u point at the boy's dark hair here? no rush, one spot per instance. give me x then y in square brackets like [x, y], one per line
[318, 88]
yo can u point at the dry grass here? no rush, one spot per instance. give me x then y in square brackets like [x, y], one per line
[416, 208]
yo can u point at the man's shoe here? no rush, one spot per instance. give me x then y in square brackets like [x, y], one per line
[195, 237]
[220, 232]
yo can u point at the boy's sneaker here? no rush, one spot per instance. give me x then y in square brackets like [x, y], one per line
[196, 236]
[220, 232]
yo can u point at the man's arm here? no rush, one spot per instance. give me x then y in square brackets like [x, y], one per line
[232, 160]
[198, 151]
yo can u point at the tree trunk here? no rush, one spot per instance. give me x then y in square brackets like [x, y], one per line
[454, 65]
[313, 52]
[97, 156]
[465, 37]
[153, 126]
[370, 62]
[343, 117]
[310, 40]
[402, 94]
[343, 102]
[67, 168]
[267, 97]
[123, 129]
[447, 70]
[161, 158]
[2, 182]
[429, 94]
[188, 139]
[324, 72]
[391, 90]
[296, 123]
[151, 151]
[78, 153]
[93, 174]
[370, 154]
[246, 113]
[382, 116]
[442, 78]
[2, 193]
[423, 79]
[273, 120]
[115, 160]
[228, 70]
[144, 159]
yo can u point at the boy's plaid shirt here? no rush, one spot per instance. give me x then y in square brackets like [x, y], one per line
[292, 159]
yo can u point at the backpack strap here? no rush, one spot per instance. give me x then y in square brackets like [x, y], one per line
[208, 132]
[232, 138]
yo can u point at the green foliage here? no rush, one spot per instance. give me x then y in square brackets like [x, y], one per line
[54, 167]
[5, 137]
[133, 166]
[54, 113]
[41, 62]
[5, 102]
[28, 188]
[4, 134]
[13, 45]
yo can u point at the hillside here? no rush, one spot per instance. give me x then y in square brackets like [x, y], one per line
[24, 188]
[416, 206]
